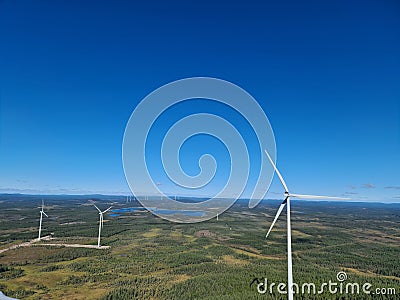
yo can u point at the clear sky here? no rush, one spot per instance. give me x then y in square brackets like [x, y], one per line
[327, 74]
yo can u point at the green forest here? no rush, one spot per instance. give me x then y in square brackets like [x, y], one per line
[151, 258]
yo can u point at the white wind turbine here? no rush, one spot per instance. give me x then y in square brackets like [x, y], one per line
[41, 218]
[101, 222]
[286, 202]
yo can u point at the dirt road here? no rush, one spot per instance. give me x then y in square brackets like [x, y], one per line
[47, 238]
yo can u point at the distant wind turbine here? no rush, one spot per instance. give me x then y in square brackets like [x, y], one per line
[101, 222]
[41, 218]
[286, 201]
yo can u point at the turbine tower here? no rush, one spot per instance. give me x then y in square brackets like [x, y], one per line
[41, 218]
[286, 201]
[101, 222]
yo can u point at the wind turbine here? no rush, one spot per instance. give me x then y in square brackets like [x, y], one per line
[101, 222]
[286, 202]
[41, 218]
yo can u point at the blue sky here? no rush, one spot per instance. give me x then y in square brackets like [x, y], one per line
[326, 73]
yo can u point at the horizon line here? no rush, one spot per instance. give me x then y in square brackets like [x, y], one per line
[200, 197]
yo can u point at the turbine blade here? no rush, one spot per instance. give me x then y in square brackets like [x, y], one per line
[277, 172]
[107, 209]
[276, 216]
[96, 207]
[316, 197]
[45, 214]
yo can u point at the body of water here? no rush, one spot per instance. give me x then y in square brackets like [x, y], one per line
[128, 209]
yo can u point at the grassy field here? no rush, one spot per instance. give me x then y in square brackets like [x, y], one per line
[151, 258]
